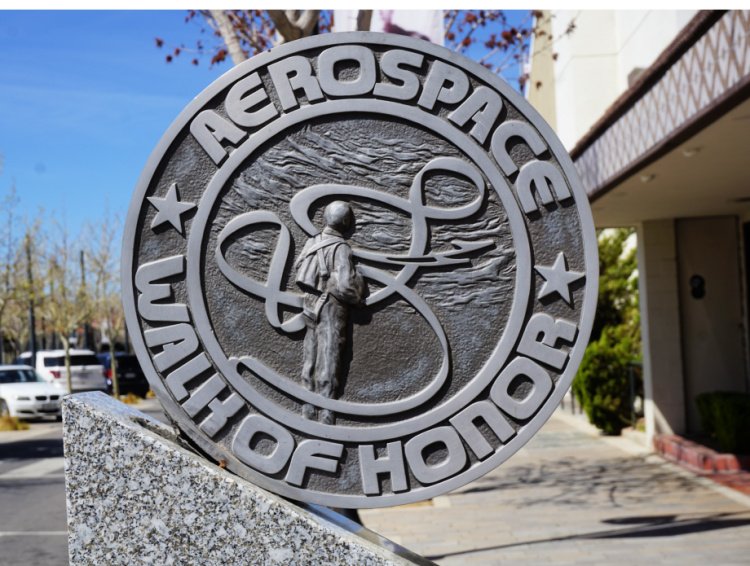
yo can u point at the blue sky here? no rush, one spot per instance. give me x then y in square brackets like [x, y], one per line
[84, 98]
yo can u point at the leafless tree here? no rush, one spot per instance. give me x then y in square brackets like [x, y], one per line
[9, 261]
[68, 302]
[106, 302]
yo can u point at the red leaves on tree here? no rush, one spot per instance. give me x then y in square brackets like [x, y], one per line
[219, 56]
[168, 58]
[503, 46]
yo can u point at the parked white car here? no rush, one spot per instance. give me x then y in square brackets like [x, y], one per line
[24, 394]
[86, 371]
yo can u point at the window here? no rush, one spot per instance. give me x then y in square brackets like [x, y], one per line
[18, 376]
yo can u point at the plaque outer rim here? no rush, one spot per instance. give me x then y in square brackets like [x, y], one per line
[588, 240]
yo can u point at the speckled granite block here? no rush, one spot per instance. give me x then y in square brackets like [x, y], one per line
[136, 494]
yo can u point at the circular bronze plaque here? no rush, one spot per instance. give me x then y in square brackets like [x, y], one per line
[359, 269]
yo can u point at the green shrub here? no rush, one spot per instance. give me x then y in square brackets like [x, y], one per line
[725, 415]
[601, 385]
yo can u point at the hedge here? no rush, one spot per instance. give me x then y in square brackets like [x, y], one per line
[725, 415]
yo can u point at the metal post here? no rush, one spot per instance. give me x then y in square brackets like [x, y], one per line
[32, 320]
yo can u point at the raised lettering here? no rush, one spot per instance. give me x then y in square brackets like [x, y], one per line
[526, 407]
[391, 66]
[178, 341]
[205, 396]
[540, 175]
[271, 463]
[334, 86]
[544, 349]
[465, 424]
[244, 96]
[221, 412]
[209, 130]
[391, 464]
[482, 107]
[313, 454]
[291, 74]
[151, 292]
[178, 378]
[436, 86]
[453, 463]
[510, 129]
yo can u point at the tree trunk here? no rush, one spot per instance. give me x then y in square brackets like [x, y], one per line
[2, 342]
[294, 24]
[230, 38]
[364, 19]
[113, 369]
[68, 375]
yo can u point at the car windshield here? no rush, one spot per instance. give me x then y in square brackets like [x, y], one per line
[75, 360]
[18, 376]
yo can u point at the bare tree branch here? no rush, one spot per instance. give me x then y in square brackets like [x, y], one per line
[294, 24]
[225, 28]
[364, 19]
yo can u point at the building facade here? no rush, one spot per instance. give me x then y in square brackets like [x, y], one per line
[654, 107]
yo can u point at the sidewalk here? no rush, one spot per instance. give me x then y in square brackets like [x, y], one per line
[571, 497]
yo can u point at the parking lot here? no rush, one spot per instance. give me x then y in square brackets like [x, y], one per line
[32, 496]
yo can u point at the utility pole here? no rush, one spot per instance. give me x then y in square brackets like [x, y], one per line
[86, 326]
[32, 320]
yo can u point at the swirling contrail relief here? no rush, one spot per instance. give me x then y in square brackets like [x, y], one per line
[408, 263]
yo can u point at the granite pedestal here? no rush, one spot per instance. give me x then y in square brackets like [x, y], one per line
[137, 493]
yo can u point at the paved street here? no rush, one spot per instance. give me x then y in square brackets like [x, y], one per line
[33, 530]
[32, 497]
[570, 497]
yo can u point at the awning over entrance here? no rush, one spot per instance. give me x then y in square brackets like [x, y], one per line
[677, 142]
[706, 175]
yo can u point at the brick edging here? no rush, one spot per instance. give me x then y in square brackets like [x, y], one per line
[697, 457]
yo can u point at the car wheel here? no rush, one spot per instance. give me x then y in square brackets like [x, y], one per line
[4, 410]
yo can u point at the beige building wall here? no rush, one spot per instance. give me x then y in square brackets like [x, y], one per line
[660, 328]
[595, 62]
[642, 35]
[585, 70]
[712, 321]
[540, 92]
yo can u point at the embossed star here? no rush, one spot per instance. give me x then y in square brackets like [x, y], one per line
[557, 278]
[170, 209]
